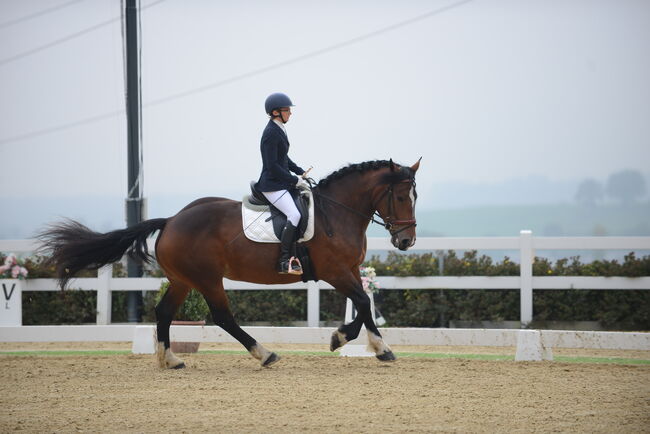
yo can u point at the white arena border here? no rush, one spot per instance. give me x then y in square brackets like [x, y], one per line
[321, 335]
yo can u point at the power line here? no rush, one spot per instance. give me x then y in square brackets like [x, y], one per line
[306, 56]
[36, 14]
[66, 38]
[239, 77]
[78, 123]
[56, 42]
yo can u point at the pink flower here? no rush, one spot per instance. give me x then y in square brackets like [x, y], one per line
[12, 268]
[10, 260]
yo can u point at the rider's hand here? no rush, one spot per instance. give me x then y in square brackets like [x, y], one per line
[302, 184]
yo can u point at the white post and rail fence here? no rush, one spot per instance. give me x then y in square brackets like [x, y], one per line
[526, 244]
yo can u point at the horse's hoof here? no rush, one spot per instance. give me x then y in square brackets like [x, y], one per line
[334, 342]
[272, 359]
[179, 366]
[388, 356]
[337, 341]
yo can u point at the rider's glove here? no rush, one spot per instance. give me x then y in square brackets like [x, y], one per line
[302, 184]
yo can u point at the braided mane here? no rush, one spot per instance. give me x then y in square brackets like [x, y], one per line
[403, 173]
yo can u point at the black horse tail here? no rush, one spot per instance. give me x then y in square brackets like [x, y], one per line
[74, 247]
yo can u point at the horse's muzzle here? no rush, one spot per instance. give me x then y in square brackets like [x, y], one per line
[402, 244]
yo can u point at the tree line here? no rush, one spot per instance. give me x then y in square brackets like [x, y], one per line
[625, 187]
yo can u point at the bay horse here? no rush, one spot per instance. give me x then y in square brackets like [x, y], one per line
[201, 245]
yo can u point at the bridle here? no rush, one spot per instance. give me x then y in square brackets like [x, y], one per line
[388, 222]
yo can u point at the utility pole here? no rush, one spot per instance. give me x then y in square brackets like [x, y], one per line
[134, 201]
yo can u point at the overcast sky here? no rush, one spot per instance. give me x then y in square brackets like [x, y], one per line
[483, 90]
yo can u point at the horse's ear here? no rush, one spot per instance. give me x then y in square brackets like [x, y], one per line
[416, 166]
[393, 166]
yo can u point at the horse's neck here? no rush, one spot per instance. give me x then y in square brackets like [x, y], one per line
[358, 198]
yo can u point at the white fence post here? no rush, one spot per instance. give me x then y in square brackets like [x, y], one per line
[104, 276]
[313, 304]
[526, 276]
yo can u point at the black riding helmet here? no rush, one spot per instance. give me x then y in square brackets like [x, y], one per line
[276, 101]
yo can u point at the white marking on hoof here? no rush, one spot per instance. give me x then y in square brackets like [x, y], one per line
[342, 337]
[377, 344]
[260, 353]
[167, 359]
[160, 354]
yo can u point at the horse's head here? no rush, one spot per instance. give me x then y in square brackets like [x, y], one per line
[396, 204]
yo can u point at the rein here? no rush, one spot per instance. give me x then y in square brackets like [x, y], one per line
[388, 222]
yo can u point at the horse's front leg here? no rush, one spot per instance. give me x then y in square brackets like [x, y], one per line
[347, 332]
[375, 341]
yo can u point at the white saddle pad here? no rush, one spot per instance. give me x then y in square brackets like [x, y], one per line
[258, 229]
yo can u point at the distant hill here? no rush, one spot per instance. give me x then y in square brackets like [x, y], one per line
[21, 218]
[543, 220]
[534, 189]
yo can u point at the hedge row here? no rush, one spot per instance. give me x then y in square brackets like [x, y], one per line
[470, 264]
[629, 310]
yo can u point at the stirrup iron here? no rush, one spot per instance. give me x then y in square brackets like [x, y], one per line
[293, 266]
[298, 269]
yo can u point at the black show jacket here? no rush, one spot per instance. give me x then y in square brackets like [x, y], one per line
[276, 163]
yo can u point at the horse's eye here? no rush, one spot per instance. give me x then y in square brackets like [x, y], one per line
[400, 198]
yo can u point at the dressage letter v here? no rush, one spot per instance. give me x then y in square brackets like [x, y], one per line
[4, 289]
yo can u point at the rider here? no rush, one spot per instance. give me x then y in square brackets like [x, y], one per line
[276, 178]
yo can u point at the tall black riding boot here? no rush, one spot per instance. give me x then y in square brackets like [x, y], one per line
[288, 263]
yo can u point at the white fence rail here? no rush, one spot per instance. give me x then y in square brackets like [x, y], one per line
[525, 243]
[322, 335]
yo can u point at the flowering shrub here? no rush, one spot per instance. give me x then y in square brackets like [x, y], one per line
[12, 268]
[368, 279]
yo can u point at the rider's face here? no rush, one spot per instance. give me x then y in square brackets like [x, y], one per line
[284, 113]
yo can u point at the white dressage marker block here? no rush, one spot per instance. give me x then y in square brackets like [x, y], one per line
[355, 351]
[530, 348]
[144, 340]
[11, 310]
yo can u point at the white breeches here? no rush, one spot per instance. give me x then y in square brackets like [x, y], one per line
[283, 201]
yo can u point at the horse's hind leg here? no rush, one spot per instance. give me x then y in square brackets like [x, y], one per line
[165, 311]
[221, 314]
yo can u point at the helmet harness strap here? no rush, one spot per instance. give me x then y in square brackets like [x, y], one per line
[279, 110]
